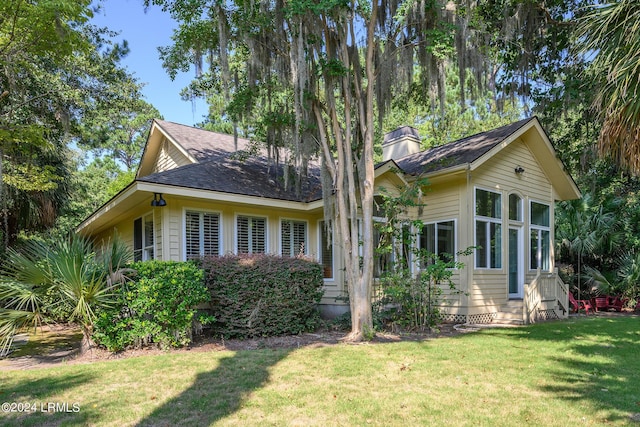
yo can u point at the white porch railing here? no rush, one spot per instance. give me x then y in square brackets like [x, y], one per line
[545, 297]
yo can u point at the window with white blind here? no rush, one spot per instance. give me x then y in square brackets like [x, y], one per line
[293, 237]
[143, 238]
[251, 235]
[202, 234]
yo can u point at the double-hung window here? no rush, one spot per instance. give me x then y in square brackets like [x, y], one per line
[326, 250]
[488, 229]
[143, 238]
[202, 234]
[438, 238]
[293, 237]
[540, 242]
[251, 235]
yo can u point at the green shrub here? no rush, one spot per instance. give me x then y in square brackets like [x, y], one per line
[158, 306]
[413, 302]
[263, 295]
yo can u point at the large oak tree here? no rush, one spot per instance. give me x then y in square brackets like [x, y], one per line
[321, 75]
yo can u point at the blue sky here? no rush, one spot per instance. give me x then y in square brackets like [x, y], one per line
[145, 32]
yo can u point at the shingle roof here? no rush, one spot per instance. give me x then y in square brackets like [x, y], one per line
[462, 151]
[250, 176]
[200, 143]
[219, 169]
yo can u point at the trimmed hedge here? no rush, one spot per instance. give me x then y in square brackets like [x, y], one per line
[263, 295]
[157, 307]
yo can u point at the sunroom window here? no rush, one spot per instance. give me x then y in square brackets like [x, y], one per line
[438, 238]
[540, 238]
[488, 229]
[515, 207]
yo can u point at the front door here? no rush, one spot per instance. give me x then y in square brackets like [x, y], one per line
[516, 263]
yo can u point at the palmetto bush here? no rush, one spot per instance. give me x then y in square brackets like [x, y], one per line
[67, 276]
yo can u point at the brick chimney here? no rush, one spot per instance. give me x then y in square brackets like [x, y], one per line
[401, 142]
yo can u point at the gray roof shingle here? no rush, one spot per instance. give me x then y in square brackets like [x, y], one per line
[200, 143]
[462, 151]
[219, 169]
[250, 176]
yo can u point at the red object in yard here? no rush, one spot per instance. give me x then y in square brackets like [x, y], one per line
[617, 303]
[609, 302]
[580, 304]
[601, 303]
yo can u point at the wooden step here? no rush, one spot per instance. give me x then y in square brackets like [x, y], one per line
[510, 313]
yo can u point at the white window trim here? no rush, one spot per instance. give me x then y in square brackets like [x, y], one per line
[455, 235]
[477, 217]
[412, 245]
[184, 229]
[144, 248]
[396, 245]
[540, 228]
[306, 234]
[522, 200]
[333, 251]
[235, 230]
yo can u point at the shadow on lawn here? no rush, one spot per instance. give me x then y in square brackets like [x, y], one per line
[36, 393]
[218, 393]
[599, 364]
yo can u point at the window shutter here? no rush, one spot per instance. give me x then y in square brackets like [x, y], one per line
[242, 230]
[211, 234]
[192, 235]
[299, 237]
[148, 238]
[202, 234]
[251, 235]
[285, 238]
[293, 237]
[258, 235]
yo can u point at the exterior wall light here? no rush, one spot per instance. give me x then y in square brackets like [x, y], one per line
[158, 200]
[519, 170]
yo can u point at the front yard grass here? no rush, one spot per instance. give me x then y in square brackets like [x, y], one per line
[581, 371]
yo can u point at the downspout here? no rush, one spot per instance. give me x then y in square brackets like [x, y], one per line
[468, 272]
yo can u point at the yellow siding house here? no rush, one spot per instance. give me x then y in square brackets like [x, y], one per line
[203, 193]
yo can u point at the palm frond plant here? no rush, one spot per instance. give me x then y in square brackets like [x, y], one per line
[72, 271]
[600, 282]
[610, 34]
[629, 273]
[588, 233]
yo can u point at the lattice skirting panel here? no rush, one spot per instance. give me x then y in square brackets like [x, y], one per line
[481, 318]
[454, 318]
[469, 318]
[543, 315]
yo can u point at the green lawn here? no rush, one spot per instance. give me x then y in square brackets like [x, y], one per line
[578, 372]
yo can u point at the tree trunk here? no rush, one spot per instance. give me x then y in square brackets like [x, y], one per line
[87, 343]
[3, 207]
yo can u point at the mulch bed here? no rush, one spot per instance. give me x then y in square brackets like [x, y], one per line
[67, 352]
